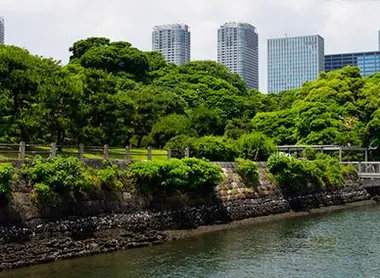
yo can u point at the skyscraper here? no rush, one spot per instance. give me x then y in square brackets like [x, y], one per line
[173, 41]
[292, 61]
[368, 62]
[238, 49]
[2, 30]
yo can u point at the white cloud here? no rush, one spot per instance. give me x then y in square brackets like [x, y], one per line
[49, 27]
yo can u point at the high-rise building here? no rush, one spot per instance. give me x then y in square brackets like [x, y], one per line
[238, 49]
[2, 30]
[368, 62]
[293, 61]
[173, 41]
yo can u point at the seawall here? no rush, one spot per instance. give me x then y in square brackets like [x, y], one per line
[97, 226]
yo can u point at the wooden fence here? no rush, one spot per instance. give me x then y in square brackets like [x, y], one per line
[23, 151]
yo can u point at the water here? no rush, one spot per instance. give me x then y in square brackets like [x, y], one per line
[341, 244]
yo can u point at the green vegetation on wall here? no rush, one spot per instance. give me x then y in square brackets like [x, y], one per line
[300, 175]
[249, 172]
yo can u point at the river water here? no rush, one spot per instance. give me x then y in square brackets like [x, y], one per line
[339, 244]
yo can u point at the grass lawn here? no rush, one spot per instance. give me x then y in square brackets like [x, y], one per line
[91, 153]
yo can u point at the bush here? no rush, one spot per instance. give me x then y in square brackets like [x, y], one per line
[174, 174]
[202, 173]
[6, 172]
[255, 146]
[331, 168]
[43, 196]
[298, 175]
[309, 153]
[108, 177]
[249, 171]
[61, 175]
[215, 148]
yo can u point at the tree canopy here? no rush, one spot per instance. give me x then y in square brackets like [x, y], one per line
[111, 92]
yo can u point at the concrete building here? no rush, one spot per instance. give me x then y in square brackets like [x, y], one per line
[2, 31]
[238, 49]
[368, 62]
[293, 61]
[173, 41]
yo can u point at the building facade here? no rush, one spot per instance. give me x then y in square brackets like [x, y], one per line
[2, 31]
[368, 62]
[173, 41]
[293, 61]
[238, 49]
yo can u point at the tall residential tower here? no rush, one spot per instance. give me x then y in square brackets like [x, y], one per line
[2, 30]
[173, 41]
[293, 61]
[238, 49]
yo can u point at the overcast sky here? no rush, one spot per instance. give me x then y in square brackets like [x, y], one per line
[49, 27]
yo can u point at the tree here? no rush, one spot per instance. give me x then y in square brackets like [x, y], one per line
[79, 48]
[170, 126]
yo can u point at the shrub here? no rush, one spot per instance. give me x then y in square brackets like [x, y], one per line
[331, 168]
[43, 196]
[174, 174]
[60, 174]
[299, 175]
[294, 174]
[215, 148]
[202, 173]
[249, 171]
[309, 153]
[255, 146]
[108, 177]
[145, 175]
[6, 172]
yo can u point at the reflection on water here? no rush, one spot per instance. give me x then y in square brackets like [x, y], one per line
[342, 244]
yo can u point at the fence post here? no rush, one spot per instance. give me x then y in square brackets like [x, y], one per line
[366, 155]
[340, 154]
[81, 152]
[127, 153]
[169, 153]
[21, 151]
[149, 153]
[187, 152]
[106, 152]
[53, 149]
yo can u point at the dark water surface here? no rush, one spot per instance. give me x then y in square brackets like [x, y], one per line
[340, 244]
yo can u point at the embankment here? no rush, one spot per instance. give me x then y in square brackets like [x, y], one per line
[91, 227]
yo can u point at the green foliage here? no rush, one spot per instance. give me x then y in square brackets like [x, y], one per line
[168, 176]
[168, 127]
[113, 93]
[294, 175]
[213, 148]
[43, 196]
[249, 171]
[300, 175]
[108, 177]
[203, 175]
[309, 153]
[6, 173]
[61, 175]
[255, 146]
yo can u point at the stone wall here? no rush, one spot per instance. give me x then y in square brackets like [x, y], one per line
[124, 222]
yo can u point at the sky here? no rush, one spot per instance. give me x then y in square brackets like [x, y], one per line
[50, 27]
